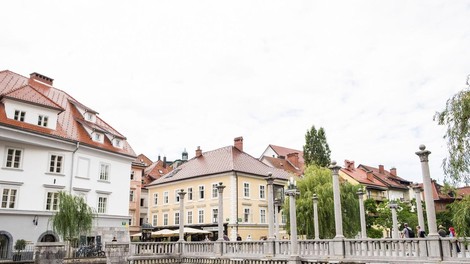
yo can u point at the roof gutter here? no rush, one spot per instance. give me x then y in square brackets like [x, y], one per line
[71, 169]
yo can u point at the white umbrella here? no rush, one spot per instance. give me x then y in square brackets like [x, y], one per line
[165, 233]
[190, 230]
[136, 235]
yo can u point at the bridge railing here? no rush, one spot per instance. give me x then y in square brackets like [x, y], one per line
[153, 248]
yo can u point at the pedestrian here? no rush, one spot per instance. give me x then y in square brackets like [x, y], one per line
[452, 234]
[442, 231]
[226, 238]
[408, 232]
[114, 239]
[239, 238]
[248, 238]
[420, 232]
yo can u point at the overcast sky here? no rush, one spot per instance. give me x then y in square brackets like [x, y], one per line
[171, 75]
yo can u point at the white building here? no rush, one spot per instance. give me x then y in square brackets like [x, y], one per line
[49, 142]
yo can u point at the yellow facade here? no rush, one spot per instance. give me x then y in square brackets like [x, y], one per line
[245, 204]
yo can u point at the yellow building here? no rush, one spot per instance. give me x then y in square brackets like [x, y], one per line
[245, 197]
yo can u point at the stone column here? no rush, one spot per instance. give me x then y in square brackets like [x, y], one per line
[220, 221]
[362, 213]
[316, 230]
[181, 194]
[393, 206]
[292, 193]
[419, 207]
[277, 204]
[428, 197]
[337, 200]
[270, 196]
[117, 253]
[434, 248]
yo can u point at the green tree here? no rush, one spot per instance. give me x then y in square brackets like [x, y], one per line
[73, 218]
[456, 117]
[316, 149]
[461, 216]
[404, 215]
[318, 181]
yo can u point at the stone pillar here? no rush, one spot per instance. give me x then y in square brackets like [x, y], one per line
[277, 205]
[49, 253]
[292, 193]
[316, 230]
[181, 194]
[360, 195]
[220, 213]
[116, 253]
[393, 206]
[434, 245]
[419, 207]
[337, 200]
[270, 181]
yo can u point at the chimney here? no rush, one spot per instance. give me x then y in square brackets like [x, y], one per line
[294, 159]
[238, 143]
[40, 79]
[381, 169]
[164, 161]
[184, 155]
[349, 165]
[198, 152]
[393, 171]
[370, 176]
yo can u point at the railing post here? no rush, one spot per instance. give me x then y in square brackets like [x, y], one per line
[220, 219]
[270, 241]
[292, 192]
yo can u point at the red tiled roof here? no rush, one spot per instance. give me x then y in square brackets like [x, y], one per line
[463, 191]
[218, 161]
[157, 169]
[282, 164]
[68, 128]
[144, 159]
[360, 175]
[391, 181]
[282, 151]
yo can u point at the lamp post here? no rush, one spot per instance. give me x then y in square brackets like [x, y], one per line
[360, 195]
[220, 222]
[292, 192]
[181, 194]
[315, 216]
[393, 206]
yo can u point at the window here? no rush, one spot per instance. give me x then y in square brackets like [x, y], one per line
[102, 204]
[104, 172]
[177, 218]
[9, 198]
[155, 199]
[131, 196]
[262, 216]
[200, 216]
[262, 192]
[190, 194]
[89, 116]
[246, 189]
[165, 197]
[165, 219]
[177, 196]
[284, 217]
[132, 174]
[190, 217]
[42, 120]
[155, 220]
[96, 137]
[142, 202]
[246, 215]
[19, 115]
[55, 164]
[201, 192]
[52, 201]
[215, 215]
[214, 190]
[13, 158]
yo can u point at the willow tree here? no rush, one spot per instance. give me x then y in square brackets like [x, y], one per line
[319, 181]
[73, 218]
[461, 216]
[456, 117]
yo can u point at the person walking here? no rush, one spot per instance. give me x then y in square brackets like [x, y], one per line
[408, 232]
[420, 232]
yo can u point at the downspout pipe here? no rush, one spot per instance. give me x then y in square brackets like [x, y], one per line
[71, 168]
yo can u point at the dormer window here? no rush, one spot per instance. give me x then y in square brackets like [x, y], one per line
[117, 143]
[42, 120]
[19, 115]
[89, 116]
[97, 137]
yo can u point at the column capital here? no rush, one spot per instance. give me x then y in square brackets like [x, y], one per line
[334, 168]
[393, 206]
[270, 179]
[181, 193]
[417, 188]
[360, 193]
[423, 153]
[315, 198]
[220, 187]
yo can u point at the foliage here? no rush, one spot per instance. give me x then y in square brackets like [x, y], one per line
[316, 149]
[456, 117]
[383, 215]
[73, 218]
[461, 216]
[374, 232]
[444, 218]
[318, 181]
[20, 244]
